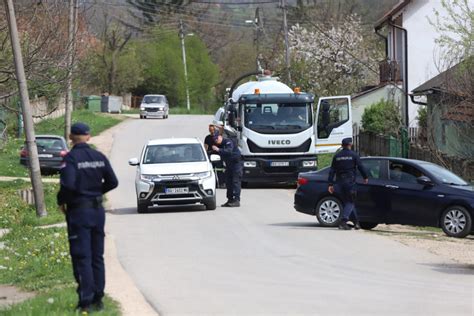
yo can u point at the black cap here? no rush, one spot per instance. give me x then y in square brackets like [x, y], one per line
[347, 141]
[80, 129]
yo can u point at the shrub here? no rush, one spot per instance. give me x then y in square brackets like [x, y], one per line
[382, 117]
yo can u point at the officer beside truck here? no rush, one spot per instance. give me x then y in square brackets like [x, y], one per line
[343, 166]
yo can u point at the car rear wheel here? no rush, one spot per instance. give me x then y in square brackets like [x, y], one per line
[367, 225]
[456, 222]
[329, 211]
[211, 205]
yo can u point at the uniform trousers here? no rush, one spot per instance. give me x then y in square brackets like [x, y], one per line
[86, 244]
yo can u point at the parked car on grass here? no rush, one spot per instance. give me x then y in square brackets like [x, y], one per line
[400, 191]
[51, 151]
[154, 105]
[174, 171]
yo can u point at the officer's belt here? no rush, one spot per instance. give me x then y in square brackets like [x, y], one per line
[345, 175]
[89, 203]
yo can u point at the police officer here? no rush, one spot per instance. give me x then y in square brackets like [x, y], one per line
[232, 158]
[344, 166]
[86, 175]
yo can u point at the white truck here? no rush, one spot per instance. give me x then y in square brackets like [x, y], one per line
[279, 131]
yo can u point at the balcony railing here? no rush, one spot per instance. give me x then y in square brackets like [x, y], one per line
[389, 71]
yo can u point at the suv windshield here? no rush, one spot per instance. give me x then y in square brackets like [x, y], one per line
[277, 117]
[444, 175]
[153, 99]
[174, 153]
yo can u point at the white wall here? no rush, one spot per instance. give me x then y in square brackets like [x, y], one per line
[423, 52]
[359, 104]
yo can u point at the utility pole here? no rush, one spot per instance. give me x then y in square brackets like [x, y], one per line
[71, 48]
[35, 172]
[287, 45]
[183, 49]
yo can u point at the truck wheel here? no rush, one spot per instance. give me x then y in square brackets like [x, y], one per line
[211, 205]
[456, 222]
[329, 211]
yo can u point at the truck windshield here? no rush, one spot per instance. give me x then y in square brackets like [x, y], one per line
[278, 118]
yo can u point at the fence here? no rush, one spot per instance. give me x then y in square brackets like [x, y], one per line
[370, 144]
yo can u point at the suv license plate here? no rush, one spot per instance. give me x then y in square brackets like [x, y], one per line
[280, 163]
[176, 190]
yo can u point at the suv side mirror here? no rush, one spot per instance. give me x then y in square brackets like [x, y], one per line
[215, 158]
[424, 181]
[133, 162]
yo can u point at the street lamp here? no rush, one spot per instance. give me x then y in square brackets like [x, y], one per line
[183, 49]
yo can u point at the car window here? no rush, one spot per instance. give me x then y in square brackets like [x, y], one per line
[173, 153]
[373, 168]
[443, 174]
[401, 172]
[49, 143]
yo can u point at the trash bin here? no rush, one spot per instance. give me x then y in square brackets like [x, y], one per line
[111, 104]
[93, 103]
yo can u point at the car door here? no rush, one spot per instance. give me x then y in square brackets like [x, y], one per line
[333, 123]
[371, 202]
[409, 201]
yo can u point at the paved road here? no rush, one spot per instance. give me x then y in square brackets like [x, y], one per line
[265, 258]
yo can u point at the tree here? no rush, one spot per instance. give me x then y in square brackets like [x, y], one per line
[333, 59]
[160, 56]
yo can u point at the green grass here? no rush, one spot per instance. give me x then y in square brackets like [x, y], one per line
[10, 159]
[56, 303]
[98, 122]
[14, 211]
[324, 160]
[10, 153]
[194, 111]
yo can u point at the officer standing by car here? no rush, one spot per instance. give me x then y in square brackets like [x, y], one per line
[344, 165]
[232, 158]
[86, 175]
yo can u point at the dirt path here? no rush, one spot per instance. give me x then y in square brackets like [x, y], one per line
[435, 241]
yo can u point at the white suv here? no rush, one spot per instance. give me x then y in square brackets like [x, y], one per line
[174, 171]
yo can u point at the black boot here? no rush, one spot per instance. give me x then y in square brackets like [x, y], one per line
[97, 306]
[234, 203]
[356, 225]
[344, 226]
[226, 204]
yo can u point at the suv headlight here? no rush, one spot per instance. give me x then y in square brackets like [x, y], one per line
[142, 108]
[148, 177]
[203, 175]
[310, 163]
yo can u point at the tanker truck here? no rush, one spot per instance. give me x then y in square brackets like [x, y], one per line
[279, 130]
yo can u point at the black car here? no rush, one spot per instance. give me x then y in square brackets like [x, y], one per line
[400, 191]
[51, 151]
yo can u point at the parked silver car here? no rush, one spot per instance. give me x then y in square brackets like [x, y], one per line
[154, 105]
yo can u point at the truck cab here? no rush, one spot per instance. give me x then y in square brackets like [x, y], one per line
[274, 127]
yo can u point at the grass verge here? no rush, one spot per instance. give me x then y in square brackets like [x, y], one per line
[194, 111]
[10, 153]
[36, 258]
[324, 160]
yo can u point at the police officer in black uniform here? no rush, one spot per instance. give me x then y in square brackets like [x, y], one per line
[86, 175]
[230, 154]
[344, 166]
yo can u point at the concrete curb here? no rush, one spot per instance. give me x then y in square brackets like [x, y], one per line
[45, 180]
[119, 285]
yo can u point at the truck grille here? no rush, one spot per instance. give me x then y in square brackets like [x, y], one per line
[152, 109]
[254, 148]
[290, 169]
